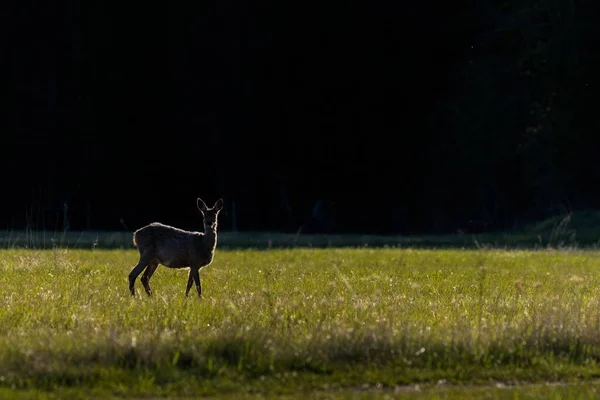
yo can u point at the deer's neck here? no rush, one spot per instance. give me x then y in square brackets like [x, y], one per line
[210, 238]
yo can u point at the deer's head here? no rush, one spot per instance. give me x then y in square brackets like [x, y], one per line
[210, 214]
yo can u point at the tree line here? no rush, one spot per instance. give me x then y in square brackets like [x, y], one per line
[393, 120]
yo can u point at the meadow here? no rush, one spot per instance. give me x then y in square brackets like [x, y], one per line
[329, 322]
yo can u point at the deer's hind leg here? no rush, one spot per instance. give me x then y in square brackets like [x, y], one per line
[147, 275]
[145, 259]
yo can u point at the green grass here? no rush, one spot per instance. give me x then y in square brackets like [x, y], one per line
[330, 322]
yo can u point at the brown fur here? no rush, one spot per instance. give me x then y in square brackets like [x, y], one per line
[176, 248]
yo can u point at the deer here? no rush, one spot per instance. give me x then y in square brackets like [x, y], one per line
[176, 248]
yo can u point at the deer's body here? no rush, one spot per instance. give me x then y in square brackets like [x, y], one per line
[176, 248]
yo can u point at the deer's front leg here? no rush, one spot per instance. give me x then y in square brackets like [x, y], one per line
[197, 281]
[190, 280]
[137, 270]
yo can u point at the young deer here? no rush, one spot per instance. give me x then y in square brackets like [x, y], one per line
[176, 248]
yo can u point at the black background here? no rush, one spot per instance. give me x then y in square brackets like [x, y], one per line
[409, 117]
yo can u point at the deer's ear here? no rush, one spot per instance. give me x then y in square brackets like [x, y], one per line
[218, 205]
[201, 206]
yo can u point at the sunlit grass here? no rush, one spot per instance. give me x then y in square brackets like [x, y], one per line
[290, 319]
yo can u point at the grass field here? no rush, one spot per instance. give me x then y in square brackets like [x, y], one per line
[352, 323]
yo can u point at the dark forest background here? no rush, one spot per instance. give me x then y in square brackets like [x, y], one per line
[372, 117]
